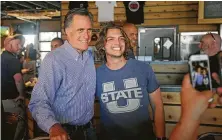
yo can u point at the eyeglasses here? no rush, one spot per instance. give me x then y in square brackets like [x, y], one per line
[212, 35]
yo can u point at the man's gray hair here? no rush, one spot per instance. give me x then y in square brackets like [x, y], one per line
[76, 11]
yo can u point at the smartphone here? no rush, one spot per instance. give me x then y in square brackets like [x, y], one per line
[200, 72]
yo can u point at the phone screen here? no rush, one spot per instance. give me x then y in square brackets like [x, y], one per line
[200, 75]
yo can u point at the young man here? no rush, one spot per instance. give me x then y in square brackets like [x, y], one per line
[125, 89]
[63, 99]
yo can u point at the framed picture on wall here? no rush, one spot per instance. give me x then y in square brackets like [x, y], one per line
[210, 12]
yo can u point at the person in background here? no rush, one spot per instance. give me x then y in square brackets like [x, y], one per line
[21, 58]
[12, 85]
[125, 89]
[62, 101]
[132, 33]
[31, 53]
[210, 44]
[29, 64]
[56, 42]
[193, 106]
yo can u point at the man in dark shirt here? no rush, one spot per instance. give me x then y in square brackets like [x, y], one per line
[132, 33]
[210, 44]
[12, 84]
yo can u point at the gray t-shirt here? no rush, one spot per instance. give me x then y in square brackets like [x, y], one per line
[124, 100]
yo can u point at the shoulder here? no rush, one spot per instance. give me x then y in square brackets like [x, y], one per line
[140, 66]
[134, 62]
[58, 53]
[101, 68]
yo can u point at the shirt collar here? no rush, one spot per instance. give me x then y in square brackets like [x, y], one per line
[11, 53]
[74, 52]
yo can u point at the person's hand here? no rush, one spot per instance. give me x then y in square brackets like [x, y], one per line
[25, 71]
[193, 102]
[219, 90]
[56, 132]
[19, 98]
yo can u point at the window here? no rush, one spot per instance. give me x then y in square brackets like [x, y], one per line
[45, 42]
[29, 39]
[189, 43]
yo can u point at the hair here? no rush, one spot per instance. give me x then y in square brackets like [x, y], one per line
[59, 39]
[17, 32]
[76, 11]
[19, 36]
[102, 40]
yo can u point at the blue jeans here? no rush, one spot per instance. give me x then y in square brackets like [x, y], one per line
[81, 133]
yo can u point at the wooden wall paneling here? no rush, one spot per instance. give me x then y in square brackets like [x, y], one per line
[177, 8]
[169, 8]
[170, 68]
[197, 28]
[178, 21]
[202, 129]
[150, 3]
[160, 3]
[169, 79]
[171, 97]
[211, 116]
[188, 14]
[174, 98]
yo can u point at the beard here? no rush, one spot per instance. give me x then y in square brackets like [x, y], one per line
[113, 55]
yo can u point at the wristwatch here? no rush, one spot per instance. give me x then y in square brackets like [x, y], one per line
[162, 138]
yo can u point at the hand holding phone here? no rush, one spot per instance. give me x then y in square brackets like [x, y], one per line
[200, 72]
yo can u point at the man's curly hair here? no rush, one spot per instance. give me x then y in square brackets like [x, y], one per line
[102, 40]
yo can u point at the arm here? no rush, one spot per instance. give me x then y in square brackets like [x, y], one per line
[24, 71]
[16, 67]
[157, 105]
[44, 93]
[185, 129]
[19, 85]
[153, 89]
[193, 106]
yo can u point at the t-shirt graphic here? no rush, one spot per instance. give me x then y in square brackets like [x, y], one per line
[134, 11]
[78, 4]
[132, 94]
[124, 100]
[105, 10]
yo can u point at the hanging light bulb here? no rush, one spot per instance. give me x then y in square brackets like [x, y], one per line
[7, 32]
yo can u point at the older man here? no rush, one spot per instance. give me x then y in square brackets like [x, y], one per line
[132, 33]
[211, 45]
[63, 98]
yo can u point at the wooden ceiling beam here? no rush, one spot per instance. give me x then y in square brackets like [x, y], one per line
[23, 4]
